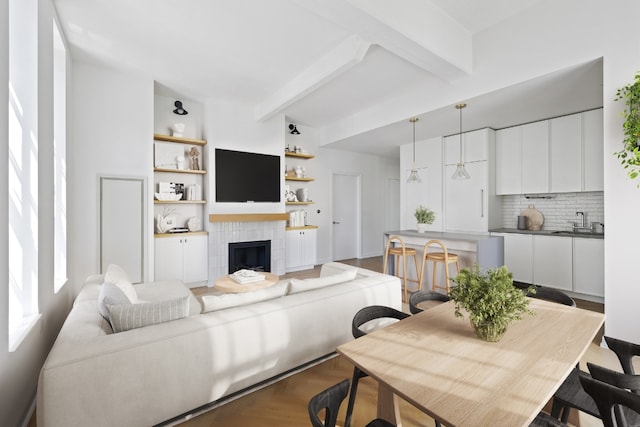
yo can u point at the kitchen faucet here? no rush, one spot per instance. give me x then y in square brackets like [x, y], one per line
[580, 226]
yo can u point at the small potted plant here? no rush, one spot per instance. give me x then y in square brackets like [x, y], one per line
[629, 155]
[424, 216]
[490, 299]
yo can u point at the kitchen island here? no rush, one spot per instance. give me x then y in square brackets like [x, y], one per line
[481, 248]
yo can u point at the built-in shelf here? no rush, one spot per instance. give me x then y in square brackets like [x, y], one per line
[180, 202]
[179, 139]
[299, 203]
[298, 155]
[197, 172]
[295, 178]
[189, 233]
[303, 227]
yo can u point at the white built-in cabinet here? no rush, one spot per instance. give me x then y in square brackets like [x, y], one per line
[301, 248]
[560, 155]
[573, 264]
[471, 205]
[182, 257]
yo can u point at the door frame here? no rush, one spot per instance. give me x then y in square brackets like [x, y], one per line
[358, 207]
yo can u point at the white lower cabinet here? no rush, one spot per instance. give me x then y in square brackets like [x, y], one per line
[182, 257]
[553, 262]
[300, 249]
[588, 266]
[518, 255]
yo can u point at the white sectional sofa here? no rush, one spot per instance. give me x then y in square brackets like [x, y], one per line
[151, 374]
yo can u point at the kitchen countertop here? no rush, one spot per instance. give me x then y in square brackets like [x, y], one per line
[440, 235]
[559, 233]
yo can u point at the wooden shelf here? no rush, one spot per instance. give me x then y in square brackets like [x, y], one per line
[248, 217]
[197, 172]
[188, 233]
[298, 155]
[298, 203]
[304, 227]
[295, 178]
[179, 202]
[179, 139]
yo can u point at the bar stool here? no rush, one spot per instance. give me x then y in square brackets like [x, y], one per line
[445, 257]
[404, 252]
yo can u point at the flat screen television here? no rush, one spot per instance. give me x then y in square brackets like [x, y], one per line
[243, 177]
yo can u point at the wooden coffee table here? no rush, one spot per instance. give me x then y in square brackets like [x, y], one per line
[227, 284]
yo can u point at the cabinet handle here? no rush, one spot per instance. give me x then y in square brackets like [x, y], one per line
[481, 203]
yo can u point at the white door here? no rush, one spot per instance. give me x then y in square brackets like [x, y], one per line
[346, 199]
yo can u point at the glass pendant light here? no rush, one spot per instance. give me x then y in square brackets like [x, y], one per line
[413, 176]
[461, 172]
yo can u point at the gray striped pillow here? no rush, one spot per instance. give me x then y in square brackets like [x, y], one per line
[130, 316]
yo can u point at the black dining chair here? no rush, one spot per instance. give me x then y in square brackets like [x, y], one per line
[614, 404]
[423, 296]
[571, 394]
[382, 316]
[330, 400]
[550, 294]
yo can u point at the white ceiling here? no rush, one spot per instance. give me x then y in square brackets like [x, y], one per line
[318, 61]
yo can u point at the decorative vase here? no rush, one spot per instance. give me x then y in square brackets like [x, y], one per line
[422, 227]
[489, 331]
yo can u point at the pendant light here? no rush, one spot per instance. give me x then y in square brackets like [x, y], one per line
[413, 176]
[461, 172]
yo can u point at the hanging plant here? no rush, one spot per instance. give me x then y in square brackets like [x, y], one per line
[629, 155]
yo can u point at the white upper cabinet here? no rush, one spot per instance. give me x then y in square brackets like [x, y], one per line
[474, 146]
[593, 137]
[508, 160]
[565, 154]
[535, 157]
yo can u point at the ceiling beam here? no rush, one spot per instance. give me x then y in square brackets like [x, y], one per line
[344, 56]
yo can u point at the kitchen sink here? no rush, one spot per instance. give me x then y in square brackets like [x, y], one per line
[576, 233]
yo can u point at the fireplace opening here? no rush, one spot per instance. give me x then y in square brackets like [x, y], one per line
[254, 255]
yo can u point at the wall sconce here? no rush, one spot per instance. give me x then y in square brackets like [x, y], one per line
[293, 130]
[179, 110]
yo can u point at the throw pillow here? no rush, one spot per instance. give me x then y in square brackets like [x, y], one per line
[220, 302]
[116, 275]
[305, 285]
[131, 316]
[111, 294]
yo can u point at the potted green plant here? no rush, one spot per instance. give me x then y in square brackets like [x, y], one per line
[629, 155]
[490, 299]
[424, 216]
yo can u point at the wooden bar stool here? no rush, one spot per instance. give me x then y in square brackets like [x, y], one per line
[444, 257]
[403, 252]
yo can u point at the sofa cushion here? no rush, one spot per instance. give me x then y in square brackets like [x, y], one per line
[130, 316]
[111, 294]
[304, 285]
[116, 275]
[220, 302]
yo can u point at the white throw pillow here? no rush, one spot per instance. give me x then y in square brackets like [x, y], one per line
[116, 275]
[111, 294]
[305, 285]
[130, 316]
[220, 302]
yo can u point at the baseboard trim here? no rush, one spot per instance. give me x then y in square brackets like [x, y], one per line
[242, 393]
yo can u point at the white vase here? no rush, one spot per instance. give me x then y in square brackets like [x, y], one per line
[422, 227]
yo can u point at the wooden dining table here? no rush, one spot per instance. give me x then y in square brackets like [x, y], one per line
[434, 361]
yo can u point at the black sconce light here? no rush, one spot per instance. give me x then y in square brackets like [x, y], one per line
[179, 110]
[293, 129]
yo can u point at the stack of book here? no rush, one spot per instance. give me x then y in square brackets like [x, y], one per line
[247, 276]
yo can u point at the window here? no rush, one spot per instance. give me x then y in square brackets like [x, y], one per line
[23, 168]
[59, 158]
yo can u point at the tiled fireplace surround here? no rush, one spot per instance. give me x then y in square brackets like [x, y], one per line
[223, 233]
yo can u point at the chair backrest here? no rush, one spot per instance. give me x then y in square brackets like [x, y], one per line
[373, 312]
[422, 296]
[553, 295]
[435, 242]
[329, 400]
[618, 379]
[625, 351]
[609, 399]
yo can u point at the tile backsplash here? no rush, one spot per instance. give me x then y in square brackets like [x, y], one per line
[558, 209]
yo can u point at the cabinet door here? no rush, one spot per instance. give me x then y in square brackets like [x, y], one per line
[588, 266]
[593, 137]
[535, 157]
[518, 256]
[474, 146]
[169, 258]
[565, 154]
[195, 258]
[292, 249]
[466, 201]
[452, 149]
[553, 262]
[508, 159]
[309, 247]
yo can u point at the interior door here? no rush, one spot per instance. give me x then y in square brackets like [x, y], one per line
[345, 216]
